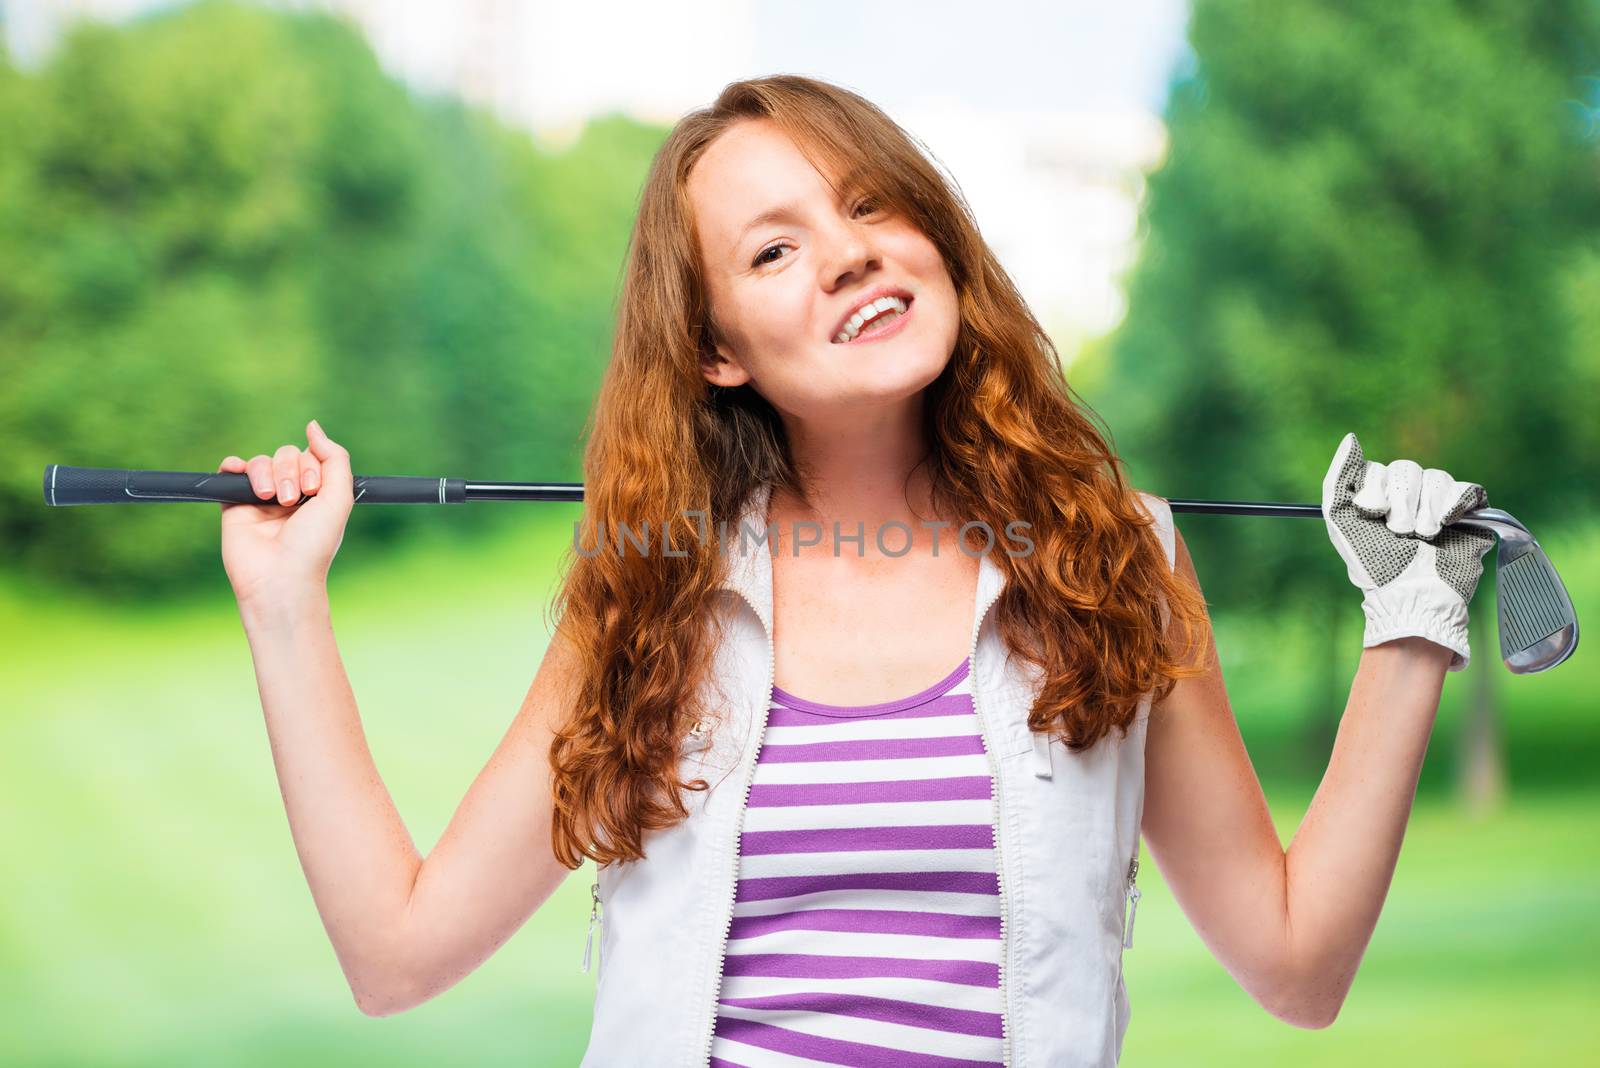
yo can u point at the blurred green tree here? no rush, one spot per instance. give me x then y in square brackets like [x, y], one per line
[218, 221]
[1365, 222]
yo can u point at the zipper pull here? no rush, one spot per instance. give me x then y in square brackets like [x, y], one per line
[1133, 899]
[594, 918]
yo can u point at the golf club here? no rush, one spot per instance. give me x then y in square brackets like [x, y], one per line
[1537, 625]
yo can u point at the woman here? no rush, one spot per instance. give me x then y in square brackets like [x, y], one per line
[931, 856]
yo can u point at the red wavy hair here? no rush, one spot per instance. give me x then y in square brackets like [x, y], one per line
[1009, 440]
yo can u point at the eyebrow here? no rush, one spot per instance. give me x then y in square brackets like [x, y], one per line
[772, 214]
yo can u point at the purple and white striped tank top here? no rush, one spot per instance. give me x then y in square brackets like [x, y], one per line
[866, 919]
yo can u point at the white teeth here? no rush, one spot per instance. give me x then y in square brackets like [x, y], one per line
[866, 313]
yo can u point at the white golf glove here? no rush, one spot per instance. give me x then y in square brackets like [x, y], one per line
[1391, 523]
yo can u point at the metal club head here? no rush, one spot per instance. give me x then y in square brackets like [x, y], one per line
[1538, 628]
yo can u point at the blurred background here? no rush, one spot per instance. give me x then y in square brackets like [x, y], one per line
[1250, 226]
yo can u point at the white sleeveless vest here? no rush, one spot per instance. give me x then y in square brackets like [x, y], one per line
[1067, 838]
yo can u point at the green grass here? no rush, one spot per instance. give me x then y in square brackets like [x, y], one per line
[1484, 954]
[155, 912]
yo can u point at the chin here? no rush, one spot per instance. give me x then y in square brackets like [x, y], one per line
[905, 376]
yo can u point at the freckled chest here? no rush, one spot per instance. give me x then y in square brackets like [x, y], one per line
[851, 631]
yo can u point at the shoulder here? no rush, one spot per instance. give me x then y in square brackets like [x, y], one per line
[1159, 510]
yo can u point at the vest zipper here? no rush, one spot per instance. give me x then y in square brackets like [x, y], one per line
[994, 827]
[594, 918]
[994, 796]
[1133, 899]
[733, 883]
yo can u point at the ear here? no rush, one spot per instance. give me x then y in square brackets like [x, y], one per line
[722, 369]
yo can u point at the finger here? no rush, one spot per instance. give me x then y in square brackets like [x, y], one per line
[1372, 499]
[332, 458]
[286, 473]
[260, 468]
[1439, 492]
[234, 464]
[1404, 483]
[1343, 473]
[1448, 498]
[1470, 498]
[310, 473]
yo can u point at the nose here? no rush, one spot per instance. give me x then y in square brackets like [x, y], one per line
[852, 253]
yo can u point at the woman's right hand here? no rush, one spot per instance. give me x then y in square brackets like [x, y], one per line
[282, 549]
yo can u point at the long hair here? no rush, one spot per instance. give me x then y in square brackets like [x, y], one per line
[1009, 440]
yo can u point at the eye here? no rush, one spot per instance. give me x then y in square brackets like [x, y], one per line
[867, 202]
[760, 259]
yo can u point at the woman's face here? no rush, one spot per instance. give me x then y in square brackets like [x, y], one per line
[786, 264]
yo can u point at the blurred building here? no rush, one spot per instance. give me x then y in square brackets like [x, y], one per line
[1055, 177]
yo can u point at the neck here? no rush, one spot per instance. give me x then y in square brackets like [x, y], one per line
[860, 470]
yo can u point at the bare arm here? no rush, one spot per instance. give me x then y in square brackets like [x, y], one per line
[403, 929]
[1290, 926]
[494, 865]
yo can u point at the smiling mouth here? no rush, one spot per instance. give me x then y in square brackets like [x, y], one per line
[885, 322]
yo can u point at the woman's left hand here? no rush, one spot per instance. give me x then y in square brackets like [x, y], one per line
[1391, 523]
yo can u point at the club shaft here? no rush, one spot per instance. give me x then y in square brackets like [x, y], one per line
[65, 485]
[573, 491]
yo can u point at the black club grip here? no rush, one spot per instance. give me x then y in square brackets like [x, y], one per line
[115, 485]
